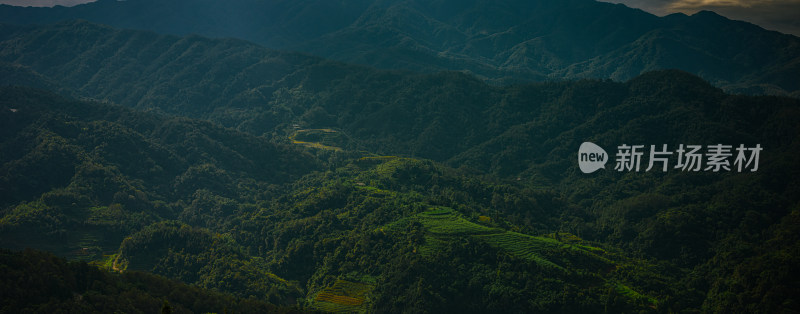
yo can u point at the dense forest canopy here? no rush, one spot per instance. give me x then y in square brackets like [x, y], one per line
[502, 42]
[40, 282]
[261, 177]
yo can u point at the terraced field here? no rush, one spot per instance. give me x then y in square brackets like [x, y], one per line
[442, 224]
[524, 246]
[432, 245]
[630, 293]
[343, 297]
[318, 138]
[445, 221]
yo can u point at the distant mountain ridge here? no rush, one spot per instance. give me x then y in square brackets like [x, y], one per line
[449, 117]
[500, 41]
[500, 219]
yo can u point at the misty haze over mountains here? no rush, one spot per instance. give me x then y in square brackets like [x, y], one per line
[501, 42]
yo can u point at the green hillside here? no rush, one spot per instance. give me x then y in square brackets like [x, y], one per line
[303, 182]
[448, 117]
[38, 282]
[80, 177]
[283, 243]
[507, 41]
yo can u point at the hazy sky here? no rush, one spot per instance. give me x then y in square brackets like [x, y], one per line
[781, 15]
[44, 3]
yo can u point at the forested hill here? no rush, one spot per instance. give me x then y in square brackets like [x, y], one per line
[297, 180]
[449, 117]
[79, 177]
[75, 155]
[501, 41]
[181, 198]
[228, 211]
[40, 282]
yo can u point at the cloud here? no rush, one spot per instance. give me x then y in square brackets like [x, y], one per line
[706, 3]
[688, 4]
[44, 3]
[774, 16]
[780, 15]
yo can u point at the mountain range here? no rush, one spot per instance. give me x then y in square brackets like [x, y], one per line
[498, 41]
[305, 182]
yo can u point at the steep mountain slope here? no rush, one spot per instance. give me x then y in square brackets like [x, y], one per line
[79, 177]
[447, 116]
[729, 54]
[40, 282]
[506, 41]
[311, 210]
[89, 176]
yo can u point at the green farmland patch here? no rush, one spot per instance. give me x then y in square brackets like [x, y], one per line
[343, 297]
